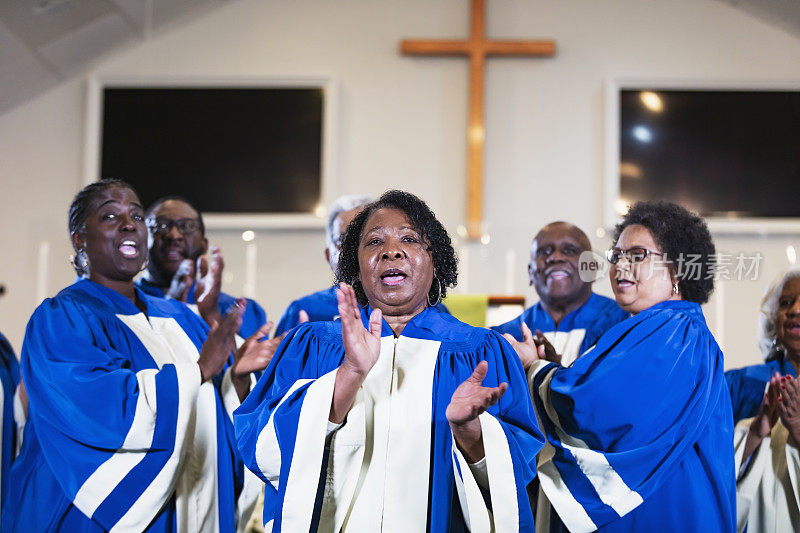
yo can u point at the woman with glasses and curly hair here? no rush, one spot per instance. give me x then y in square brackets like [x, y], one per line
[639, 428]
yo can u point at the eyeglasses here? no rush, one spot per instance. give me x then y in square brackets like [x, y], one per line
[634, 255]
[163, 226]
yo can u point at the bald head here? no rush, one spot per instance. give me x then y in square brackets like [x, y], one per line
[565, 228]
[553, 268]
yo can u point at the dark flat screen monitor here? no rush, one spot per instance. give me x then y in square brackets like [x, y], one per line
[722, 153]
[229, 149]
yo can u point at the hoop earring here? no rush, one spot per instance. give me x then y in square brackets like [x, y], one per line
[777, 347]
[675, 289]
[80, 262]
[438, 295]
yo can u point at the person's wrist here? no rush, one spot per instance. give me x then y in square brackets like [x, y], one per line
[468, 438]
[353, 370]
[756, 428]
[204, 372]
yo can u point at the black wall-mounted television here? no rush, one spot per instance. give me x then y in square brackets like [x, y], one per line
[722, 153]
[229, 149]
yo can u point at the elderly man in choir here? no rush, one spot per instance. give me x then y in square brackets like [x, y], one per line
[568, 313]
[177, 267]
[321, 306]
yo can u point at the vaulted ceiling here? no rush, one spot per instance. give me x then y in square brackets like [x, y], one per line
[44, 42]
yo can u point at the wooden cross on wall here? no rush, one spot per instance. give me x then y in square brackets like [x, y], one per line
[477, 48]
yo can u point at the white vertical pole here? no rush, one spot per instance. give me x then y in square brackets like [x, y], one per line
[463, 265]
[511, 261]
[251, 267]
[42, 266]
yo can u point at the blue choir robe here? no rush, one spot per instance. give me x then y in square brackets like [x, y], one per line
[747, 385]
[121, 434]
[639, 429]
[9, 380]
[253, 317]
[576, 333]
[321, 306]
[393, 465]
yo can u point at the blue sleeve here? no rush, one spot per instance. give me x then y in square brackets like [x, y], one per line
[517, 417]
[266, 423]
[746, 390]
[109, 432]
[514, 327]
[511, 451]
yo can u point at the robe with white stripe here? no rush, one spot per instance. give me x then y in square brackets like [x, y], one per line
[121, 434]
[392, 466]
[639, 429]
[768, 491]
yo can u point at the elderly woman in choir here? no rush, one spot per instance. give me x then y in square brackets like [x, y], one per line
[779, 342]
[639, 428]
[130, 395]
[398, 416]
[767, 459]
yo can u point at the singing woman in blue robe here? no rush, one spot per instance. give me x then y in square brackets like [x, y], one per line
[397, 417]
[639, 429]
[130, 396]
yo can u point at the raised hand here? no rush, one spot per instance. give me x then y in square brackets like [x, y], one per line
[361, 350]
[209, 285]
[361, 346]
[765, 419]
[469, 400]
[528, 350]
[220, 342]
[789, 408]
[182, 281]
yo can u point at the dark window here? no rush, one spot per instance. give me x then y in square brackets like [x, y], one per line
[238, 150]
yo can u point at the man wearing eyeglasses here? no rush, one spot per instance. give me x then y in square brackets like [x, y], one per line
[569, 315]
[176, 240]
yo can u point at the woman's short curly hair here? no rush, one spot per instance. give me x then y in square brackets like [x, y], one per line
[685, 241]
[445, 264]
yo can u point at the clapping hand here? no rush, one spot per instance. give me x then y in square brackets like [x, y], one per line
[469, 400]
[182, 281]
[220, 342]
[532, 348]
[209, 285]
[789, 407]
[257, 350]
[767, 415]
[362, 347]
[765, 419]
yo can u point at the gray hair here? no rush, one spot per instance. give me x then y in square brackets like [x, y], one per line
[769, 310]
[347, 202]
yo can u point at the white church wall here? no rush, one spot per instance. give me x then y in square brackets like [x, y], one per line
[401, 123]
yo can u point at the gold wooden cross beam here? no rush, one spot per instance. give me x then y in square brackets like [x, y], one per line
[477, 47]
